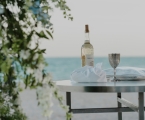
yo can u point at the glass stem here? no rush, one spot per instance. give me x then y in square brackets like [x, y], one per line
[114, 74]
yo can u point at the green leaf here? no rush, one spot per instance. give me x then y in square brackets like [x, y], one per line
[49, 34]
[45, 8]
[43, 50]
[5, 66]
[42, 35]
[71, 18]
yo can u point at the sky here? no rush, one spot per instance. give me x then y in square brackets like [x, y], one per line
[116, 26]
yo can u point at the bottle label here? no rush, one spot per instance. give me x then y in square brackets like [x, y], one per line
[89, 59]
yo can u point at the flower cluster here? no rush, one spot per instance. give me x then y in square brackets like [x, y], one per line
[23, 24]
[10, 106]
[44, 96]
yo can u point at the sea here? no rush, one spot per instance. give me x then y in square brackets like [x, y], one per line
[61, 68]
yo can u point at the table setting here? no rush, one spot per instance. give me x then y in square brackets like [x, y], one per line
[93, 79]
[88, 73]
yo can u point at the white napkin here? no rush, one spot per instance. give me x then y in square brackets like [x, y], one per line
[127, 72]
[89, 74]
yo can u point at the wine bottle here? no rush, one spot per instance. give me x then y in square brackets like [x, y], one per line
[87, 50]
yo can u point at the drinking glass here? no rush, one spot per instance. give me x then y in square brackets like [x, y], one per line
[114, 59]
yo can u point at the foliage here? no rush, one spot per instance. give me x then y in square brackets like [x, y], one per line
[24, 23]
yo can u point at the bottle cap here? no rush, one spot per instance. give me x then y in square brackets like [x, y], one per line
[86, 28]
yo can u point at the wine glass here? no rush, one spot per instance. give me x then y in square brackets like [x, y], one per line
[114, 59]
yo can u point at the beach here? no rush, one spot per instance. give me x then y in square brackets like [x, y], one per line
[79, 100]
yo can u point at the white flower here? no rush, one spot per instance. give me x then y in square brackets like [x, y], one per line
[33, 43]
[7, 98]
[34, 38]
[10, 104]
[6, 41]
[38, 75]
[4, 24]
[28, 30]
[39, 27]
[47, 78]
[13, 8]
[22, 23]
[24, 54]
[44, 96]
[31, 19]
[47, 113]
[40, 66]
[12, 111]
[25, 26]
[36, 56]
[29, 70]
[17, 18]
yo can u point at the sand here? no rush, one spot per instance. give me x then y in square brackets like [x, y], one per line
[79, 100]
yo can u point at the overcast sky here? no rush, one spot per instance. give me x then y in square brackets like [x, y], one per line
[116, 26]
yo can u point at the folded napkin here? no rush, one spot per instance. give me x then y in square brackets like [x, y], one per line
[133, 72]
[89, 74]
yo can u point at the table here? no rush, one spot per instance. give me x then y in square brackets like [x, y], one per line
[109, 87]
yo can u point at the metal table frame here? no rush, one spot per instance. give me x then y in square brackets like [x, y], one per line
[129, 106]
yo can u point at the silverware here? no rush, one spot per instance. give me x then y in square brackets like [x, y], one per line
[114, 59]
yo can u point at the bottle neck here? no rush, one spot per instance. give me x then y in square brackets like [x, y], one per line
[87, 38]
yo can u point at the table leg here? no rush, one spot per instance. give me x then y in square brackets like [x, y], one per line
[119, 105]
[68, 100]
[141, 105]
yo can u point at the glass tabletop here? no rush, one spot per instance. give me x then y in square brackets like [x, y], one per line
[119, 86]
